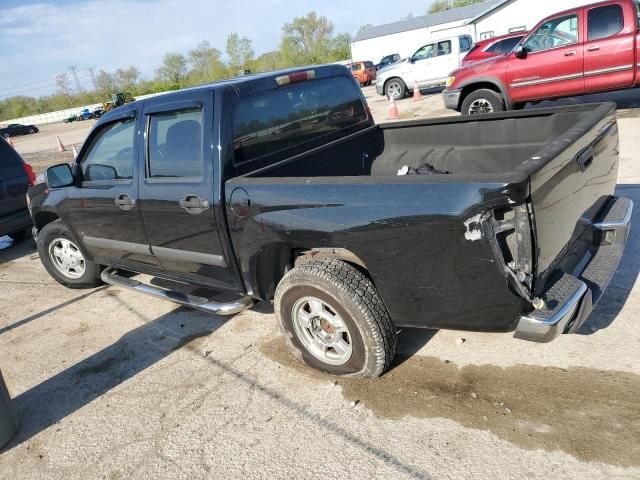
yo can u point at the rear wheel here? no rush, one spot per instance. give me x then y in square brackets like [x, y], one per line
[334, 320]
[481, 102]
[396, 89]
[64, 260]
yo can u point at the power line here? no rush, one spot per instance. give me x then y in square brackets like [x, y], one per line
[25, 85]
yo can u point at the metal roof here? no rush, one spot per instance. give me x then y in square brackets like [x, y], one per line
[453, 15]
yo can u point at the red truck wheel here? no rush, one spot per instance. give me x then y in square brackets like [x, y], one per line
[334, 320]
[481, 102]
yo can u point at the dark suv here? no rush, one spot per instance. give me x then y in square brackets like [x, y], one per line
[15, 179]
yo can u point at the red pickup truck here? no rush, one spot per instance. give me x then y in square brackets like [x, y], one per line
[587, 49]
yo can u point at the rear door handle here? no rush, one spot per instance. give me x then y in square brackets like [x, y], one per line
[125, 202]
[572, 53]
[594, 48]
[194, 204]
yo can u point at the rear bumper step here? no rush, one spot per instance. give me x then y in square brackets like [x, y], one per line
[572, 296]
[110, 276]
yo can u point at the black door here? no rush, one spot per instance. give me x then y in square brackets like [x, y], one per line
[177, 189]
[103, 208]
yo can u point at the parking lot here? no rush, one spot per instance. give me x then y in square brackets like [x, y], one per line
[111, 384]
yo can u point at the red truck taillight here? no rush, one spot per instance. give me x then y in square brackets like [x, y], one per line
[30, 173]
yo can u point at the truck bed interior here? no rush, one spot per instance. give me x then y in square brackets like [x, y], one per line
[459, 146]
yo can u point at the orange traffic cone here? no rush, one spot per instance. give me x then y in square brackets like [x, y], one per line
[60, 145]
[417, 94]
[74, 150]
[393, 109]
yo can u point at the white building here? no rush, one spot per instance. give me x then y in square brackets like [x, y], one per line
[483, 20]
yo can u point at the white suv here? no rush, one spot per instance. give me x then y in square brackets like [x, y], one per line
[429, 67]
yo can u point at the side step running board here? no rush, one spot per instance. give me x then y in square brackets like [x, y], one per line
[110, 276]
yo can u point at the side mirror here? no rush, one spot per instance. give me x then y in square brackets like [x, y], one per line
[59, 176]
[520, 51]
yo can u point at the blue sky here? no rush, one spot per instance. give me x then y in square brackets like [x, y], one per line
[39, 39]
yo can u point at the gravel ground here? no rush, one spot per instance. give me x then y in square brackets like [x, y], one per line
[111, 384]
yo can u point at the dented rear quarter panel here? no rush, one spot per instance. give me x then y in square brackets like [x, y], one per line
[419, 238]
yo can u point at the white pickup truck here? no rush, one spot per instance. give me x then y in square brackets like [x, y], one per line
[429, 67]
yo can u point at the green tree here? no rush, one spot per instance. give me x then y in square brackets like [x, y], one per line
[306, 40]
[268, 61]
[442, 5]
[127, 78]
[364, 28]
[106, 83]
[206, 64]
[173, 70]
[240, 52]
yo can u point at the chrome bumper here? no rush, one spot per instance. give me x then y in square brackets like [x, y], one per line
[452, 99]
[571, 298]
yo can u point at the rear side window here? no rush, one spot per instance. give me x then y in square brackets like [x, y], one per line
[605, 21]
[175, 144]
[290, 120]
[444, 48]
[110, 155]
[465, 44]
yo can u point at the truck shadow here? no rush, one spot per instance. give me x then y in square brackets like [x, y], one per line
[63, 394]
[624, 280]
[10, 250]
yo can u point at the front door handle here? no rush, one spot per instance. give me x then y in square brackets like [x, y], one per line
[194, 204]
[572, 53]
[593, 48]
[125, 202]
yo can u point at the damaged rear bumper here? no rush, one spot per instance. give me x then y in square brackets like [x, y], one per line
[572, 295]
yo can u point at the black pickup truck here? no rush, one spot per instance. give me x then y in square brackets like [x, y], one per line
[280, 187]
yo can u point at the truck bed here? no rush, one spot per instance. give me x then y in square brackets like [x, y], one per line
[557, 166]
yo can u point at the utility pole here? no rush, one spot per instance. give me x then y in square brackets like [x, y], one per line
[74, 72]
[92, 74]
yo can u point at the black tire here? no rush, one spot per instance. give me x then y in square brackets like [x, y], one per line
[395, 85]
[481, 102]
[58, 230]
[19, 235]
[352, 296]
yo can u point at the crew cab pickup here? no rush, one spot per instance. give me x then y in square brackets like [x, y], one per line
[428, 67]
[280, 187]
[584, 50]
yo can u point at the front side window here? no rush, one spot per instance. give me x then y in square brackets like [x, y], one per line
[424, 53]
[272, 126]
[444, 48]
[605, 22]
[110, 155]
[175, 144]
[554, 33]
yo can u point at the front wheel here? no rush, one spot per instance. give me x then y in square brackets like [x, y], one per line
[481, 102]
[396, 89]
[334, 320]
[32, 131]
[64, 260]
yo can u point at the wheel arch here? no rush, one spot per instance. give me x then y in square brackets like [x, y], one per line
[489, 83]
[273, 261]
[43, 218]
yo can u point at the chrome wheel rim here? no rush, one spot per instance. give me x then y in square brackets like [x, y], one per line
[322, 331]
[67, 258]
[393, 90]
[480, 106]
